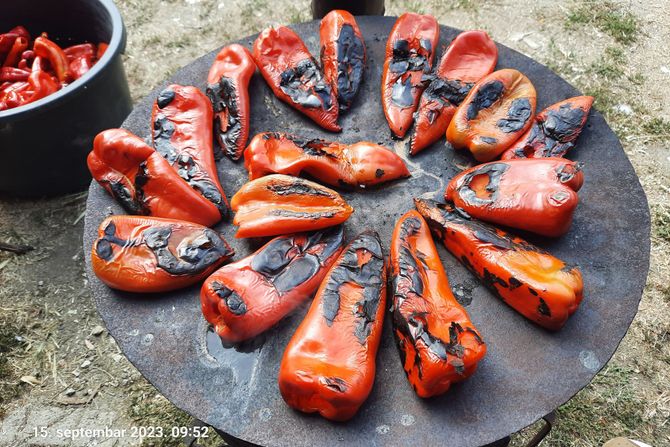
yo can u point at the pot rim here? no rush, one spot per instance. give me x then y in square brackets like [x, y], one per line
[117, 45]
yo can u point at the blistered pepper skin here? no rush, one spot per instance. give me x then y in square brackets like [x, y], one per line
[410, 51]
[228, 91]
[148, 254]
[437, 342]
[498, 111]
[281, 204]
[329, 365]
[354, 165]
[469, 57]
[294, 76]
[143, 182]
[554, 130]
[531, 194]
[244, 299]
[343, 55]
[182, 133]
[537, 285]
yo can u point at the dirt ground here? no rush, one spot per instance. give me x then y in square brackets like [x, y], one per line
[60, 369]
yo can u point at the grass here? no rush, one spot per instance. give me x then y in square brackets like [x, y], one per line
[661, 219]
[622, 25]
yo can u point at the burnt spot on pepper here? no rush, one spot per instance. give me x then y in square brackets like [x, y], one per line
[305, 85]
[379, 173]
[492, 237]
[488, 140]
[490, 280]
[233, 301]
[335, 384]
[446, 91]
[134, 205]
[223, 96]
[567, 172]
[103, 246]
[485, 97]
[350, 65]
[165, 97]
[514, 283]
[298, 188]
[494, 172]
[518, 114]
[543, 309]
[401, 95]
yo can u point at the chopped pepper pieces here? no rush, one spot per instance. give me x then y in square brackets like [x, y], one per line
[539, 286]
[554, 130]
[350, 165]
[182, 133]
[228, 90]
[281, 204]
[143, 182]
[294, 76]
[329, 365]
[148, 254]
[410, 51]
[532, 194]
[469, 57]
[496, 112]
[437, 342]
[248, 297]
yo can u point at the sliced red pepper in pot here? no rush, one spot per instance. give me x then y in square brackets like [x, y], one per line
[539, 286]
[437, 342]
[329, 365]
[342, 55]
[248, 297]
[145, 254]
[281, 204]
[294, 76]
[469, 57]
[81, 59]
[47, 49]
[350, 165]
[554, 130]
[228, 90]
[182, 133]
[143, 182]
[410, 50]
[14, 56]
[496, 112]
[531, 194]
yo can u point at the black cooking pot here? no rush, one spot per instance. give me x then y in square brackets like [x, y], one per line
[43, 145]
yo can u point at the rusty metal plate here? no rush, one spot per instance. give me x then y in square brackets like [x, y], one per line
[527, 372]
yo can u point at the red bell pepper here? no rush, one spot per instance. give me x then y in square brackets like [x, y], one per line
[228, 90]
[469, 57]
[248, 297]
[351, 165]
[410, 51]
[182, 133]
[14, 56]
[533, 194]
[145, 254]
[47, 49]
[81, 59]
[329, 365]
[294, 76]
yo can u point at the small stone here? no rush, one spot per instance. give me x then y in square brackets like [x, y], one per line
[97, 330]
[76, 373]
[117, 357]
[89, 345]
[30, 380]
[69, 392]
[85, 364]
[624, 108]
[665, 69]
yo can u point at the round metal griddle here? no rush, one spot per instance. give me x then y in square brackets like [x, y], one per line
[527, 372]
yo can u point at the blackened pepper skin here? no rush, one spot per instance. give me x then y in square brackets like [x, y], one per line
[228, 91]
[342, 55]
[554, 130]
[410, 51]
[182, 133]
[496, 112]
[145, 254]
[143, 182]
[437, 342]
[294, 76]
[329, 365]
[537, 285]
[248, 297]
[469, 57]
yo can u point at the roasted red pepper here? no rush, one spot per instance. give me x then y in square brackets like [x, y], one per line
[540, 287]
[554, 130]
[410, 51]
[143, 182]
[281, 204]
[81, 59]
[294, 76]
[14, 56]
[143, 254]
[437, 342]
[351, 165]
[182, 133]
[531, 194]
[329, 365]
[469, 57]
[47, 49]
[496, 112]
[342, 55]
[228, 90]
[248, 297]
